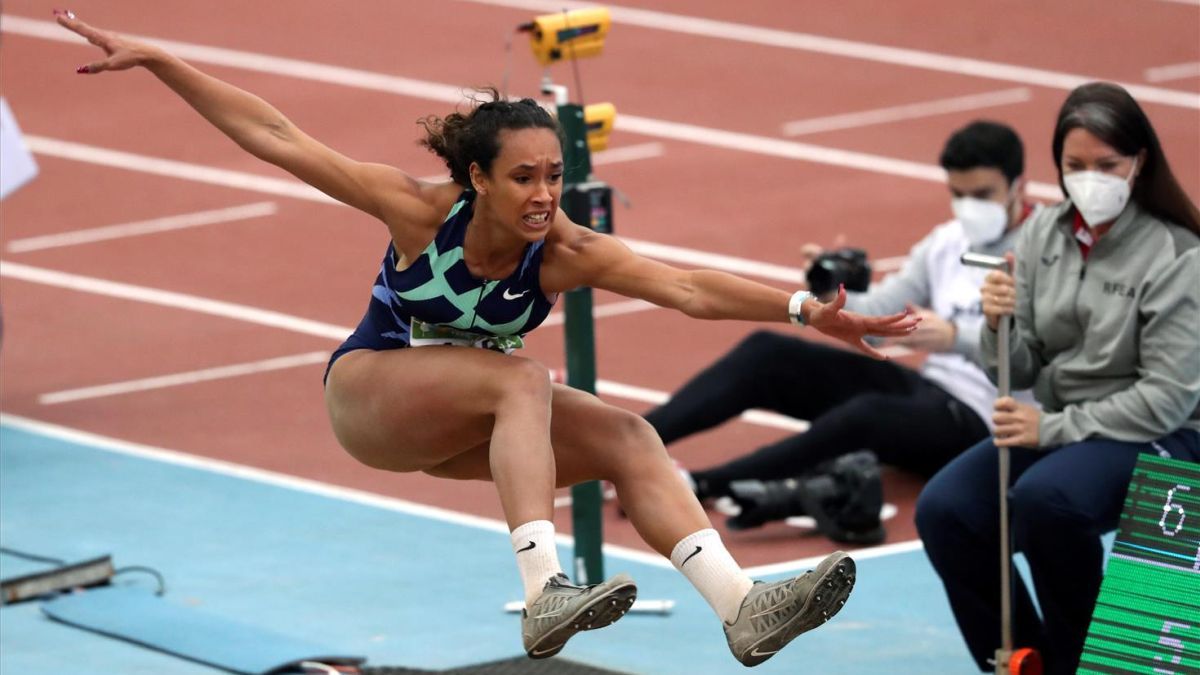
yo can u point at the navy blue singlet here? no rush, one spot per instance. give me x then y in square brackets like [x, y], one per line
[437, 297]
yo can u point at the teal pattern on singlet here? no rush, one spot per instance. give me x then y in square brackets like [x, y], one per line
[438, 289]
[439, 286]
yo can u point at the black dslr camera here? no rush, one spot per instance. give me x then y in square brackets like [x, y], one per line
[847, 266]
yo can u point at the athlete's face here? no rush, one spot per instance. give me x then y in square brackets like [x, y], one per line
[525, 183]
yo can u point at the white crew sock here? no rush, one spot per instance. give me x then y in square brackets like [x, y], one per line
[537, 556]
[702, 558]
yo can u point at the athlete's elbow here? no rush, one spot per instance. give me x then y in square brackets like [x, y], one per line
[697, 307]
[268, 139]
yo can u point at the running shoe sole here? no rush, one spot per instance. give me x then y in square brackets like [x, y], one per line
[602, 611]
[825, 599]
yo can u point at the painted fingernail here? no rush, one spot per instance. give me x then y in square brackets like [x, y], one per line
[83, 70]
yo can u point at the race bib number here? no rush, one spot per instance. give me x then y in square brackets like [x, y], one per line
[425, 334]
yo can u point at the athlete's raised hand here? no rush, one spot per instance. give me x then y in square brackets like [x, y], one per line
[122, 53]
[852, 327]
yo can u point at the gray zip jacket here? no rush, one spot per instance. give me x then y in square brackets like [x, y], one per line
[1111, 347]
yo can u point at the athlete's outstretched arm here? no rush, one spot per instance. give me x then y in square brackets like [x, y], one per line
[254, 124]
[585, 258]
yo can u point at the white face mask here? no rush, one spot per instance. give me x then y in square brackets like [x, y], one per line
[1099, 197]
[983, 220]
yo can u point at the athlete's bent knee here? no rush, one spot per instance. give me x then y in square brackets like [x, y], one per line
[634, 441]
[524, 378]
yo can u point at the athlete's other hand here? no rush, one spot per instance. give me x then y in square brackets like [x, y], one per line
[122, 53]
[852, 327]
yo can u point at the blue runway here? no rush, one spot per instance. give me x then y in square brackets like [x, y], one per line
[375, 577]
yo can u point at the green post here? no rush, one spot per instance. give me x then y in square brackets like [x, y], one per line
[586, 498]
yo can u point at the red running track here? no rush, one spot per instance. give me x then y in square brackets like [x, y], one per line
[316, 260]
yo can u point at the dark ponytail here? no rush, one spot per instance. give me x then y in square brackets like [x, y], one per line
[1109, 113]
[461, 139]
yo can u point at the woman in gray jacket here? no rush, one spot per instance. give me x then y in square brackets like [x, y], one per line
[1105, 304]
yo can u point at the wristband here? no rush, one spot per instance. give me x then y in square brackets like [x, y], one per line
[794, 304]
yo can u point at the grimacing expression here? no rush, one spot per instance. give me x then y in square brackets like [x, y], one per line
[524, 185]
[1084, 151]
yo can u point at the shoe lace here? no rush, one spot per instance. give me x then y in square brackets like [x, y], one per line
[559, 592]
[771, 608]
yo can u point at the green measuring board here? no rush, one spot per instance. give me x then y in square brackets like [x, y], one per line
[1147, 617]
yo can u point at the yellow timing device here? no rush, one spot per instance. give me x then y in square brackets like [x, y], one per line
[599, 118]
[568, 35]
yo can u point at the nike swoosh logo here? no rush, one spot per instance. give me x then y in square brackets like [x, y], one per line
[1049, 261]
[755, 652]
[691, 555]
[548, 615]
[532, 545]
[539, 652]
[510, 296]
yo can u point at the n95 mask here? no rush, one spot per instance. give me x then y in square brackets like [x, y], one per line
[983, 220]
[1099, 197]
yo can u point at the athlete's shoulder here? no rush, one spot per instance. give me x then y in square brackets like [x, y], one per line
[573, 253]
[414, 216]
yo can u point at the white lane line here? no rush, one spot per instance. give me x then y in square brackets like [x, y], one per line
[179, 379]
[563, 501]
[262, 63]
[760, 417]
[451, 94]
[557, 318]
[263, 317]
[909, 111]
[229, 310]
[622, 307]
[628, 153]
[178, 222]
[362, 497]
[90, 154]
[774, 147]
[716, 261]
[896, 56]
[290, 188]
[888, 264]
[859, 554]
[1178, 71]
[295, 189]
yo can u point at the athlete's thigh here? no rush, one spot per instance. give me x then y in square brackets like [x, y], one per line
[591, 439]
[412, 409]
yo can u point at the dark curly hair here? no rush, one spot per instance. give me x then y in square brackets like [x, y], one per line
[462, 138]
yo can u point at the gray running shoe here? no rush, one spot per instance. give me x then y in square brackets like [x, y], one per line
[564, 609]
[773, 614]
